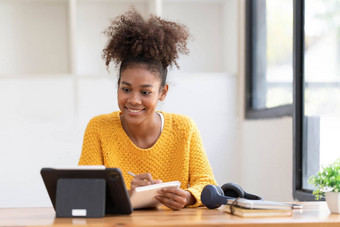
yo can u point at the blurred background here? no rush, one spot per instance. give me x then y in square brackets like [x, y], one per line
[53, 81]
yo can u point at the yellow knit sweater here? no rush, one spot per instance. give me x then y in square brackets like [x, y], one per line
[178, 153]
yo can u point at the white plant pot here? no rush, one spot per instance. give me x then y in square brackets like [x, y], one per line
[333, 201]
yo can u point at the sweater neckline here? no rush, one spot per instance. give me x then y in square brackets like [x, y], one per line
[159, 140]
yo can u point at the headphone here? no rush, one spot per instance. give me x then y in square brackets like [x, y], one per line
[213, 196]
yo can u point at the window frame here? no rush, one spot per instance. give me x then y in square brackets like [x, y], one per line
[250, 112]
[299, 193]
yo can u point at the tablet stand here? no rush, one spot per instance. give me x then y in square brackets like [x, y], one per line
[80, 197]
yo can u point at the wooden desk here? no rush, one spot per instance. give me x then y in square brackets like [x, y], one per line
[312, 214]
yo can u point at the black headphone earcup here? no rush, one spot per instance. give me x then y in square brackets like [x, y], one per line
[212, 196]
[233, 190]
[251, 196]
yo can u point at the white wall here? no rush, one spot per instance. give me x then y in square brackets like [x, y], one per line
[268, 169]
[27, 42]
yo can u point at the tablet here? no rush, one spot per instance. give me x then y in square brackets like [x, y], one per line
[144, 197]
[117, 198]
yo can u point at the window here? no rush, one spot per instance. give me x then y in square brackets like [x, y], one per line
[293, 55]
[317, 91]
[269, 70]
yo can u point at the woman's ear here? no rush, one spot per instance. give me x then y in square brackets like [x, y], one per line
[164, 92]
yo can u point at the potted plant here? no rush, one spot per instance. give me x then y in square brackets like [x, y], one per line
[327, 182]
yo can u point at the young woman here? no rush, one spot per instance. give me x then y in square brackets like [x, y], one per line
[156, 146]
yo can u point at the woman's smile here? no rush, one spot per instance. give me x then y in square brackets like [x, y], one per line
[135, 111]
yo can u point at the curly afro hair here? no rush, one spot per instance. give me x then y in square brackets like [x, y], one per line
[154, 42]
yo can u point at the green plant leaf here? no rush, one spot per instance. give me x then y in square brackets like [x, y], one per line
[327, 179]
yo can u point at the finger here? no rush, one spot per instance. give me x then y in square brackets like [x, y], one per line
[174, 197]
[176, 191]
[145, 177]
[174, 194]
[139, 182]
[172, 204]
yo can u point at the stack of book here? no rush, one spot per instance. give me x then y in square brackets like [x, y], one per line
[258, 208]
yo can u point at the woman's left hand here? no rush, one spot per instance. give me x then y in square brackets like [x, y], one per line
[175, 198]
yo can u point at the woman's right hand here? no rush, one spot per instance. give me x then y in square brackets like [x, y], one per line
[142, 179]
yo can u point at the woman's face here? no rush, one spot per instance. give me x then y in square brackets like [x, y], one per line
[138, 94]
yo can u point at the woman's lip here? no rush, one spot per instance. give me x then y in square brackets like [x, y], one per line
[134, 110]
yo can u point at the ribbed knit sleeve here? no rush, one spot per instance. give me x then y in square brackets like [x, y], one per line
[200, 171]
[91, 151]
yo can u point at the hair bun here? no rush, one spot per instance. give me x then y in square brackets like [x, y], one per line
[155, 39]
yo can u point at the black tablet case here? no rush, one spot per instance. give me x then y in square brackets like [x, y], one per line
[62, 187]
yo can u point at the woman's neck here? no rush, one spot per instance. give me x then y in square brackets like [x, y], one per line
[145, 134]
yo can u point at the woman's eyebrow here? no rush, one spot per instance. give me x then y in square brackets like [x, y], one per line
[143, 85]
[146, 85]
[126, 83]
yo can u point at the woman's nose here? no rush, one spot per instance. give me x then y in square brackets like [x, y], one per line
[134, 98]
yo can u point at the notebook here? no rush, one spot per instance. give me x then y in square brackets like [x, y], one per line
[144, 197]
[246, 212]
[258, 208]
[259, 204]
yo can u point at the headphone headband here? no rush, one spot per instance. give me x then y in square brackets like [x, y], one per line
[213, 196]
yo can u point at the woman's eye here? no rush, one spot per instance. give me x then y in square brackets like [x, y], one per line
[126, 90]
[145, 92]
